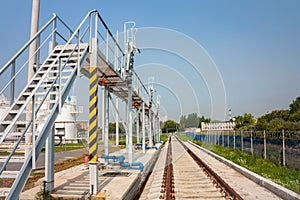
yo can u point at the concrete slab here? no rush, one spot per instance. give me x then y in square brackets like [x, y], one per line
[74, 182]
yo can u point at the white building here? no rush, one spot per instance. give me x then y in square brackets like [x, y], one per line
[217, 126]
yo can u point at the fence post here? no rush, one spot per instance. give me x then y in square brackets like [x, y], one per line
[223, 143]
[251, 140]
[265, 145]
[242, 141]
[233, 140]
[283, 148]
[228, 139]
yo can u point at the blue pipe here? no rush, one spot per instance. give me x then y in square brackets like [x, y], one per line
[153, 147]
[122, 163]
[129, 165]
[115, 158]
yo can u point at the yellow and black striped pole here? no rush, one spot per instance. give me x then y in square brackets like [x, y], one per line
[93, 116]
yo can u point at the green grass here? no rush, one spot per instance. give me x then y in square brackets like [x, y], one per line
[69, 147]
[184, 137]
[287, 177]
[164, 137]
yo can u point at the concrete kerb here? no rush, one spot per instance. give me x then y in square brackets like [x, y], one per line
[273, 187]
[138, 183]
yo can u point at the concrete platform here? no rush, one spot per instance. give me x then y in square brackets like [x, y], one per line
[114, 182]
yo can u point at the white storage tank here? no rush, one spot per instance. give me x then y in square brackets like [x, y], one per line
[65, 124]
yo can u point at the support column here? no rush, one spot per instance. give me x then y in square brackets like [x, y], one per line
[138, 127]
[143, 127]
[106, 121]
[103, 109]
[129, 82]
[49, 161]
[93, 120]
[158, 128]
[150, 129]
[117, 121]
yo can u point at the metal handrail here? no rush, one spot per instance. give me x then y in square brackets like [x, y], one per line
[111, 35]
[27, 44]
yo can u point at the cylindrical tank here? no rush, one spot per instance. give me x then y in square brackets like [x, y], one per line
[65, 122]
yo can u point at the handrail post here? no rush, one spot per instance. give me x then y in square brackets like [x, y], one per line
[59, 85]
[106, 46]
[33, 134]
[53, 44]
[96, 28]
[37, 60]
[78, 53]
[116, 53]
[12, 86]
[90, 31]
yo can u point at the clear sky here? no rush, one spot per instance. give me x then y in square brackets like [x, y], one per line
[252, 46]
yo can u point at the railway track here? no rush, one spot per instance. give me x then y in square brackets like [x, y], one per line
[183, 172]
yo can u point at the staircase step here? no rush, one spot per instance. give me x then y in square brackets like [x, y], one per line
[62, 77]
[39, 93]
[7, 122]
[71, 46]
[9, 174]
[56, 65]
[72, 59]
[4, 192]
[66, 54]
[44, 85]
[64, 71]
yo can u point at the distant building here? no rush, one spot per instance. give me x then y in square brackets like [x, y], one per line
[217, 126]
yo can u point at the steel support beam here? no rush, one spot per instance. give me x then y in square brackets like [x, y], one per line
[150, 129]
[143, 127]
[49, 161]
[106, 120]
[93, 119]
[129, 83]
[138, 127]
[117, 121]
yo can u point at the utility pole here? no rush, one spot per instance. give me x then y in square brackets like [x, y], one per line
[34, 29]
[32, 60]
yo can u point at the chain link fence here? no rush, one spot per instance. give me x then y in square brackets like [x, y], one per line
[279, 146]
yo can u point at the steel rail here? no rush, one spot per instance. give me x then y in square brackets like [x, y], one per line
[224, 187]
[168, 177]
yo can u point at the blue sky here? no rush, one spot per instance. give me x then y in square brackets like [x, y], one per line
[255, 45]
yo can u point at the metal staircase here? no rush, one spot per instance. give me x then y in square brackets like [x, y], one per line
[61, 55]
[48, 87]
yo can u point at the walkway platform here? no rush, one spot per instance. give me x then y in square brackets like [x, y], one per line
[114, 182]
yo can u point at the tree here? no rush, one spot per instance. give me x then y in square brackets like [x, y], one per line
[182, 122]
[192, 120]
[245, 121]
[112, 128]
[295, 116]
[170, 126]
[203, 119]
[295, 105]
